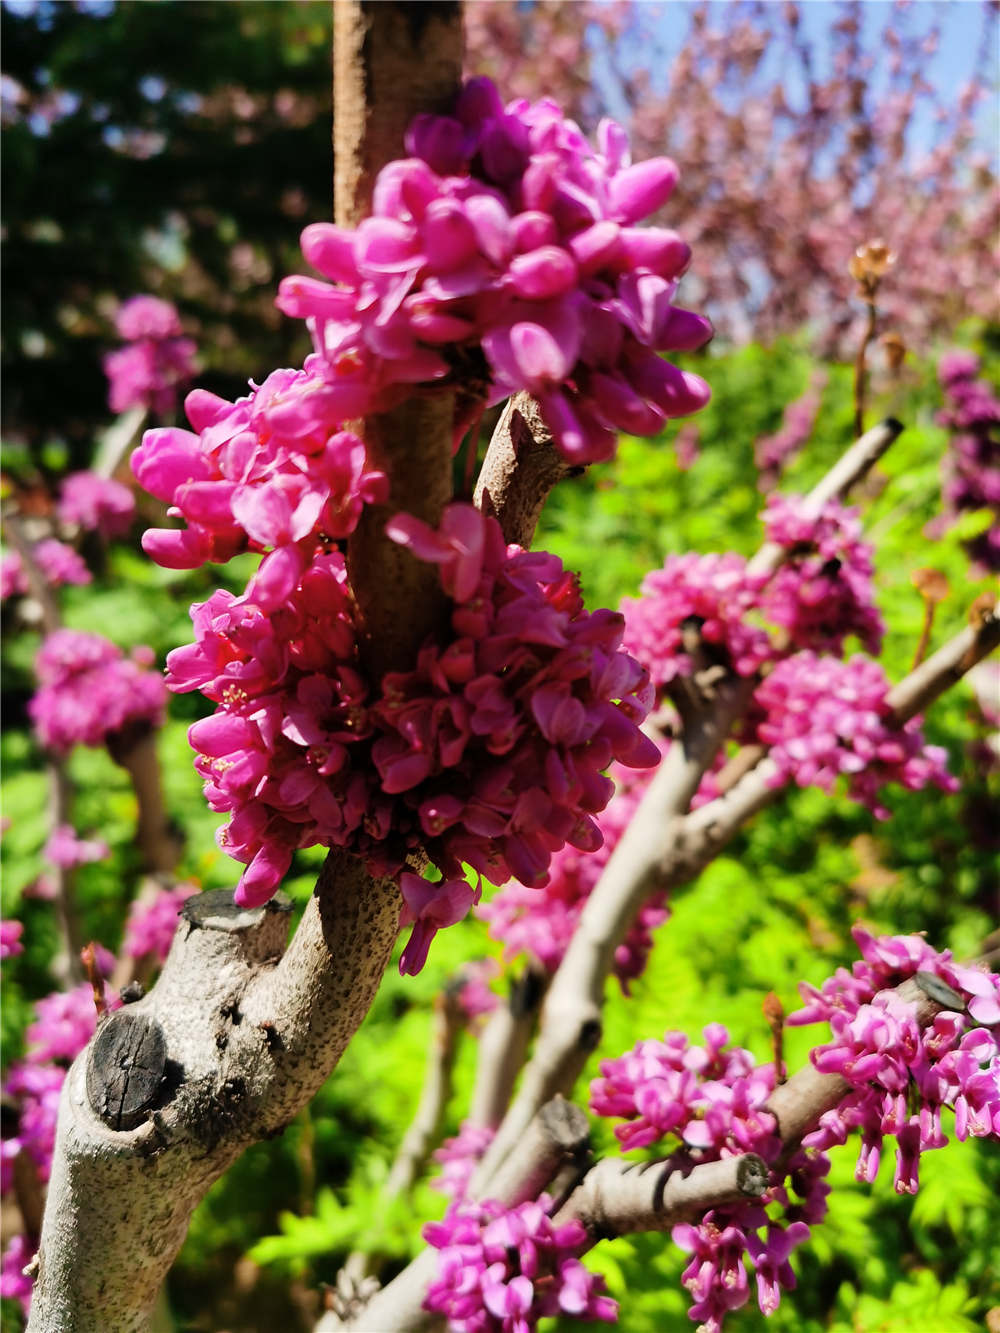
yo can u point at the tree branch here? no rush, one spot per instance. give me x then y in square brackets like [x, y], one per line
[503, 1045]
[845, 474]
[614, 1197]
[392, 61]
[37, 582]
[619, 1198]
[246, 1036]
[520, 469]
[134, 749]
[571, 1020]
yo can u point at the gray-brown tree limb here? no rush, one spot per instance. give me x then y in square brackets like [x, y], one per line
[520, 469]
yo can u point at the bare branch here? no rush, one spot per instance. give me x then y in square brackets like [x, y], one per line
[425, 1128]
[69, 968]
[503, 1044]
[849, 469]
[619, 1198]
[942, 669]
[134, 749]
[520, 469]
[556, 1144]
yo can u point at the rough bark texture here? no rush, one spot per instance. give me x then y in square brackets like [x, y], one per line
[392, 61]
[619, 1198]
[520, 469]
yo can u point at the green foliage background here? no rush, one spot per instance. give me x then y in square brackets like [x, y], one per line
[776, 909]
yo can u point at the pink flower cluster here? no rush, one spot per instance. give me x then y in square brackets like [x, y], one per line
[541, 922]
[501, 1269]
[152, 922]
[65, 849]
[711, 1098]
[10, 939]
[505, 231]
[713, 1103]
[972, 466]
[157, 361]
[903, 1075]
[711, 595]
[459, 1156]
[489, 752]
[824, 717]
[96, 503]
[90, 690]
[58, 563]
[271, 472]
[14, 1286]
[823, 591]
[771, 453]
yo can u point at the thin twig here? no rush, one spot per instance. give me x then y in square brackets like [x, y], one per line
[860, 370]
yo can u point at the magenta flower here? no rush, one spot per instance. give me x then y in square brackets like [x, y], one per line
[14, 1286]
[10, 939]
[971, 469]
[714, 591]
[89, 690]
[429, 908]
[58, 563]
[156, 363]
[65, 1022]
[823, 591]
[66, 850]
[272, 470]
[500, 1270]
[35, 1090]
[541, 922]
[459, 1156]
[773, 452]
[903, 1076]
[506, 230]
[488, 753]
[823, 718]
[147, 317]
[96, 503]
[151, 924]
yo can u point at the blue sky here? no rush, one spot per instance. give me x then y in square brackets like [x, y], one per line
[960, 22]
